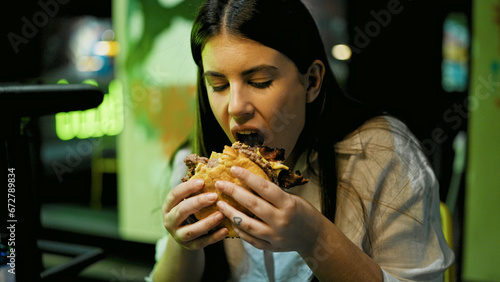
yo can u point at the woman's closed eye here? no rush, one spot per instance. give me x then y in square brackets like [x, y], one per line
[220, 88]
[261, 85]
[217, 82]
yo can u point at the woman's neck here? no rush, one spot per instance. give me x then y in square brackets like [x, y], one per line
[297, 151]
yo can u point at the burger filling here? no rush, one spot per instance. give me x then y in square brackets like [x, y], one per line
[267, 158]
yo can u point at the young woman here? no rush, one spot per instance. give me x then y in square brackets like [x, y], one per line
[371, 209]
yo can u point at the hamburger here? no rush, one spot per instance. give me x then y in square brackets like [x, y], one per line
[263, 161]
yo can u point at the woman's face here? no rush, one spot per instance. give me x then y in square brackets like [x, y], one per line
[254, 91]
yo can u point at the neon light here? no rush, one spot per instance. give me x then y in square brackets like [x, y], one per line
[116, 111]
[91, 82]
[107, 119]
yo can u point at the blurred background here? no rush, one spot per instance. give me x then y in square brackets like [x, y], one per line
[102, 174]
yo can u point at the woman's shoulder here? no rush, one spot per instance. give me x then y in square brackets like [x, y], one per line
[380, 132]
[385, 146]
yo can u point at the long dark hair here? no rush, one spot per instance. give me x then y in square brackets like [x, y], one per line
[288, 27]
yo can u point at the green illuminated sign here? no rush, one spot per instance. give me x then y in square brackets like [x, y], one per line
[107, 119]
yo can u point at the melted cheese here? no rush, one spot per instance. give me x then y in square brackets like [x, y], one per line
[274, 165]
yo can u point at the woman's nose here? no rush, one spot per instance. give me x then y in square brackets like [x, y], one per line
[240, 106]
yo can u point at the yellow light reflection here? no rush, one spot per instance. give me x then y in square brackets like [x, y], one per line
[89, 63]
[106, 48]
[341, 52]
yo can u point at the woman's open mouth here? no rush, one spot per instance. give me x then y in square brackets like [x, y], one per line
[251, 138]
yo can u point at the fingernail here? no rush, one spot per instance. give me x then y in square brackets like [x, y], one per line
[212, 197]
[219, 185]
[221, 205]
[219, 217]
[223, 233]
[236, 170]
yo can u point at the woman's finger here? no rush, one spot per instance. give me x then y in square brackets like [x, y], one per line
[254, 241]
[244, 222]
[203, 241]
[254, 203]
[202, 227]
[266, 189]
[187, 207]
[180, 192]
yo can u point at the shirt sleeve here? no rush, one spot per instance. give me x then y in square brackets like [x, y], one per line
[389, 204]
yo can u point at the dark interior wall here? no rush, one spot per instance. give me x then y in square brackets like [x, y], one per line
[396, 66]
[20, 54]
[22, 24]
[396, 61]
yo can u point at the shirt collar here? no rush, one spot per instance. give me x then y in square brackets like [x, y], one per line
[351, 144]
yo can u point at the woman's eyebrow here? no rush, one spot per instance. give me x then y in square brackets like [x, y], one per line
[258, 69]
[212, 73]
[245, 72]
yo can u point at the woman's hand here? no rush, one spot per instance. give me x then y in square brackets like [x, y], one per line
[179, 205]
[287, 222]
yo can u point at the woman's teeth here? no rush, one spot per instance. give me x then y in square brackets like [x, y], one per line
[247, 132]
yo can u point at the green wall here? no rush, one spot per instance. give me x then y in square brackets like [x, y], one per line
[482, 207]
[158, 76]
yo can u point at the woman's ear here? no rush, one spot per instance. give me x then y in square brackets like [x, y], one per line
[315, 75]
